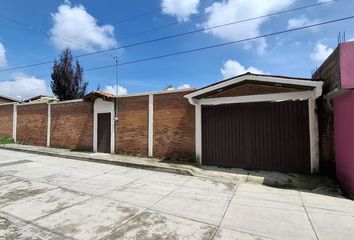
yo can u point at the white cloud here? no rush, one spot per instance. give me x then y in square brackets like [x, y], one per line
[182, 9]
[24, 87]
[184, 86]
[321, 53]
[113, 90]
[302, 21]
[2, 55]
[235, 10]
[233, 68]
[75, 28]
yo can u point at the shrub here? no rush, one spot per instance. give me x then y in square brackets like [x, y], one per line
[6, 140]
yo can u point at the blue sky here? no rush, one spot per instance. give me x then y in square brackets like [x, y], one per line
[87, 26]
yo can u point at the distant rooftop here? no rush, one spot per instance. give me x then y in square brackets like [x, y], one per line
[9, 98]
[41, 98]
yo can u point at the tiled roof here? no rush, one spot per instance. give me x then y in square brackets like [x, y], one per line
[99, 94]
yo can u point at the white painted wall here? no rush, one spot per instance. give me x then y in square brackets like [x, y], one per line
[101, 106]
[14, 121]
[198, 133]
[151, 126]
[49, 124]
[314, 138]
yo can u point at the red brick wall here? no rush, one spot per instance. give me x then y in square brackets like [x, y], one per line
[72, 125]
[132, 126]
[32, 124]
[6, 116]
[174, 126]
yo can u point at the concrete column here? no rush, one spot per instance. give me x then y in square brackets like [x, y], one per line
[151, 126]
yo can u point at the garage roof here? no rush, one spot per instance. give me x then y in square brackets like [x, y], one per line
[299, 84]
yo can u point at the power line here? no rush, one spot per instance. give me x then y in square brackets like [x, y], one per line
[30, 27]
[158, 9]
[222, 44]
[206, 29]
[175, 23]
[150, 30]
[138, 15]
[175, 35]
[225, 44]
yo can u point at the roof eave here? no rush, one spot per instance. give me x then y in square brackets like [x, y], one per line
[261, 78]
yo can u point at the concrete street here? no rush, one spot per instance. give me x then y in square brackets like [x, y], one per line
[44, 197]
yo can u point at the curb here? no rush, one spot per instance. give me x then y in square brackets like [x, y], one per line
[179, 171]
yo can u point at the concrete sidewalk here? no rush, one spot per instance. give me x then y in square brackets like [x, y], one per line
[275, 179]
[44, 197]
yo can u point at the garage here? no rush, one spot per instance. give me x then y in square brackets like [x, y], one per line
[258, 122]
[257, 136]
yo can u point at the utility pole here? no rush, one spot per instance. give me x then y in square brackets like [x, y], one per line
[116, 60]
[116, 99]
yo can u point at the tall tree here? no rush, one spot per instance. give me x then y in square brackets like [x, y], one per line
[67, 78]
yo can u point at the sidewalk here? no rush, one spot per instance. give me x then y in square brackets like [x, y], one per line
[313, 183]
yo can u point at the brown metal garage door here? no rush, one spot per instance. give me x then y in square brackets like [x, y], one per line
[104, 132]
[265, 136]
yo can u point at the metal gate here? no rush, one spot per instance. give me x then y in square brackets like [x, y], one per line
[265, 136]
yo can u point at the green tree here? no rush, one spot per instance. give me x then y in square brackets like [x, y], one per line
[67, 78]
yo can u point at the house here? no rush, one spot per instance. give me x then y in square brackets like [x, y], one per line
[258, 121]
[4, 99]
[249, 121]
[41, 98]
[336, 115]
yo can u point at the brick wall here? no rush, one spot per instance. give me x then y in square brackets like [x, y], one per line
[32, 124]
[72, 125]
[174, 126]
[6, 116]
[329, 73]
[132, 126]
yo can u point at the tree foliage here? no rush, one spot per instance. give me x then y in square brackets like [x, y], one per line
[67, 78]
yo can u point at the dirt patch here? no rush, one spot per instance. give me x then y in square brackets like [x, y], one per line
[140, 227]
[154, 226]
[20, 194]
[67, 228]
[8, 230]
[229, 185]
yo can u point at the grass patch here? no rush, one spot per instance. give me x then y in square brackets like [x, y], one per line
[6, 140]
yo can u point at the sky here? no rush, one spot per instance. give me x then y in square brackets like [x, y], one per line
[37, 31]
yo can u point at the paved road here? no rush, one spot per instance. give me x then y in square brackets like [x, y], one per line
[45, 197]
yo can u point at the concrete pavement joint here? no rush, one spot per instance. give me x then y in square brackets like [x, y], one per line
[78, 203]
[251, 233]
[31, 223]
[148, 208]
[308, 216]
[227, 207]
[185, 206]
